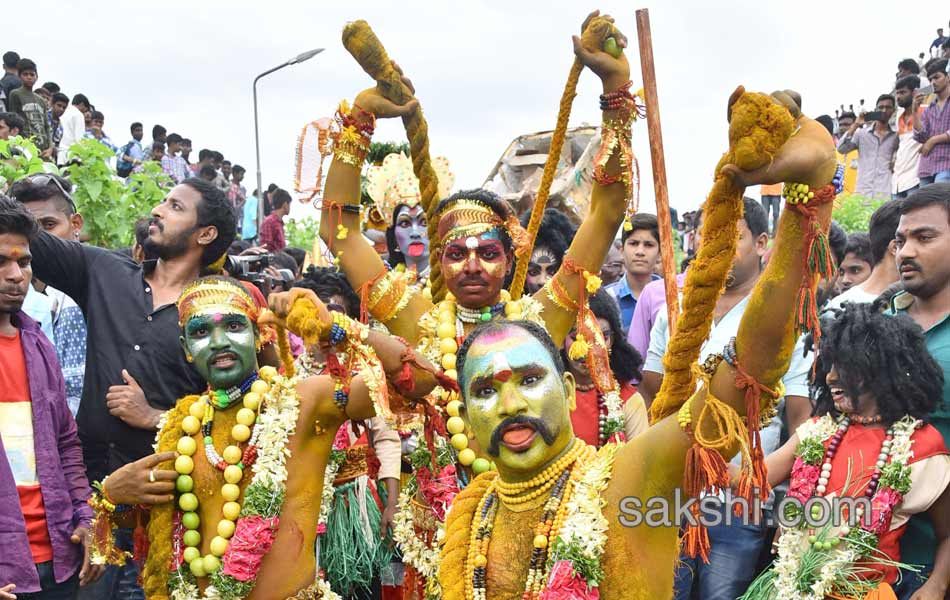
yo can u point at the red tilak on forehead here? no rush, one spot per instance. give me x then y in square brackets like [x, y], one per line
[501, 367]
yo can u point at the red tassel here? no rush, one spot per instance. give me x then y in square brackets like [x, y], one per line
[404, 381]
[140, 544]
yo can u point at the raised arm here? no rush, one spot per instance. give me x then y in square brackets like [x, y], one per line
[608, 200]
[340, 225]
[766, 334]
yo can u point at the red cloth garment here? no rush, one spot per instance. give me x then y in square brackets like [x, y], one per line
[272, 233]
[16, 429]
[861, 446]
[585, 417]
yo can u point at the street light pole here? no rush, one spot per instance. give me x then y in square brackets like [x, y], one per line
[257, 141]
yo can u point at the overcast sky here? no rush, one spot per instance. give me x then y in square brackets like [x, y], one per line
[484, 72]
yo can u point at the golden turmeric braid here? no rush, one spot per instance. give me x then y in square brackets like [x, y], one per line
[758, 127]
[593, 37]
[362, 43]
[458, 526]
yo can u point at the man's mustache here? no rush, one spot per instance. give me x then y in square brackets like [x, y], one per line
[537, 424]
[909, 262]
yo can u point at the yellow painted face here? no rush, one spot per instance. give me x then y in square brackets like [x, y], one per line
[516, 402]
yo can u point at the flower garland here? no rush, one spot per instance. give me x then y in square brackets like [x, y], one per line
[263, 499]
[577, 551]
[578, 532]
[813, 564]
[422, 555]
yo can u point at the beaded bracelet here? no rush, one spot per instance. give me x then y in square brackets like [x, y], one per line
[341, 395]
[621, 98]
[338, 329]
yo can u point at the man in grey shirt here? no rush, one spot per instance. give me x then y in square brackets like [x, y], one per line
[876, 145]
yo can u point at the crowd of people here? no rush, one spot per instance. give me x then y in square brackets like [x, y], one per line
[46, 115]
[212, 413]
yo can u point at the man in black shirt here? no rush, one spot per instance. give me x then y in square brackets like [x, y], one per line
[135, 368]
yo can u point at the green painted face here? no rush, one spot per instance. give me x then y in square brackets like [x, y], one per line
[516, 403]
[224, 347]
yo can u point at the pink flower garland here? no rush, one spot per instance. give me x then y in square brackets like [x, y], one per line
[803, 481]
[565, 584]
[252, 540]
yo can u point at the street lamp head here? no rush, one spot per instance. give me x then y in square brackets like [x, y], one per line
[304, 56]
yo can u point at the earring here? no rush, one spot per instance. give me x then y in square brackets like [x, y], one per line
[189, 358]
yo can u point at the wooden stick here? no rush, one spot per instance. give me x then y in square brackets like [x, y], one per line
[659, 165]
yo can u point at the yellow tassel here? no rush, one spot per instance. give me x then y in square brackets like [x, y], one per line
[341, 232]
[593, 282]
[579, 348]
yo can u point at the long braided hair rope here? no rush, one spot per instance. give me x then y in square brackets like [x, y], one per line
[362, 43]
[594, 35]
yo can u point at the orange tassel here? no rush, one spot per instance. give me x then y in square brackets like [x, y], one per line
[705, 469]
[696, 542]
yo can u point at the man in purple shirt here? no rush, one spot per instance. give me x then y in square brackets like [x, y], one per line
[652, 299]
[932, 128]
[44, 518]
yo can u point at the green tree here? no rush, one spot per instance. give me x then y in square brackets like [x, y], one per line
[20, 157]
[301, 233]
[854, 212]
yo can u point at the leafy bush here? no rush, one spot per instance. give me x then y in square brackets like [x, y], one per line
[109, 205]
[854, 212]
[301, 233]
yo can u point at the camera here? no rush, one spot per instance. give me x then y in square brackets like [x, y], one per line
[257, 269]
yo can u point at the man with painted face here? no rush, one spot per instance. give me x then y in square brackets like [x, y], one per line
[394, 189]
[271, 436]
[132, 331]
[478, 234]
[554, 238]
[557, 515]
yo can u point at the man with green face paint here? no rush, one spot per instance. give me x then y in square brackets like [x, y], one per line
[245, 508]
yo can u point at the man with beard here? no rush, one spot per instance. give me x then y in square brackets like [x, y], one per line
[139, 369]
[923, 241]
[733, 546]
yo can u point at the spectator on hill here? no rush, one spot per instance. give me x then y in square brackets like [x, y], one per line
[186, 151]
[132, 154]
[907, 157]
[58, 106]
[932, 127]
[74, 126]
[10, 81]
[96, 131]
[876, 145]
[272, 229]
[158, 134]
[29, 105]
[174, 165]
[938, 42]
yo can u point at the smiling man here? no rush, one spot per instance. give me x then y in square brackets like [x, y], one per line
[132, 322]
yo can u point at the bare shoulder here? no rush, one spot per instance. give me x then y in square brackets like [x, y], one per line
[316, 399]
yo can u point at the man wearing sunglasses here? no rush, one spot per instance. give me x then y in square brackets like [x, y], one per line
[48, 199]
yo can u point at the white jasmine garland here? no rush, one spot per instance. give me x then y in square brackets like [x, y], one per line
[585, 527]
[276, 422]
[415, 552]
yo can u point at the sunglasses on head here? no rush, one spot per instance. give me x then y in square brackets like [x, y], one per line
[43, 180]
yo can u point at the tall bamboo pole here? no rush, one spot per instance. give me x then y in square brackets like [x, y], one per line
[659, 165]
